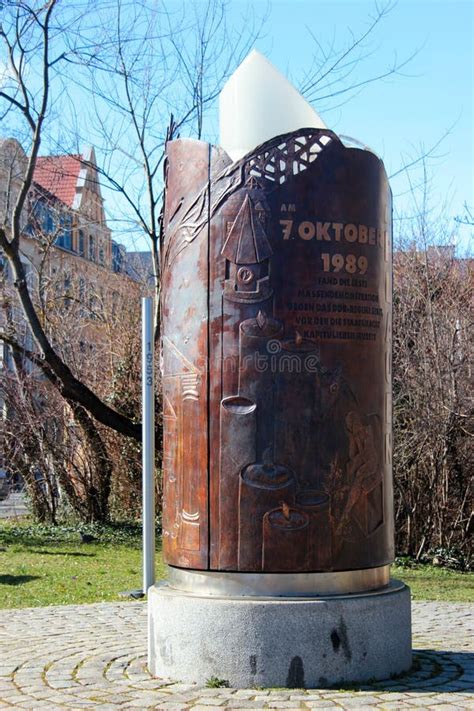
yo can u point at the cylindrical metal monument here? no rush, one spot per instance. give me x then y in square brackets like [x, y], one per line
[276, 336]
[276, 323]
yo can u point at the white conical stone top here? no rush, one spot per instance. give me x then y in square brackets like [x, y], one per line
[258, 103]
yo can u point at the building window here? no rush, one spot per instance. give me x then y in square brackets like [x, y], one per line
[48, 222]
[82, 289]
[101, 256]
[81, 247]
[117, 257]
[7, 357]
[91, 248]
[92, 307]
[42, 222]
[64, 238]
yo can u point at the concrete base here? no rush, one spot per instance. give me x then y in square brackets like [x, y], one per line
[287, 642]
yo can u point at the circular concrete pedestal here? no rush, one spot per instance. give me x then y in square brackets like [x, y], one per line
[287, 642]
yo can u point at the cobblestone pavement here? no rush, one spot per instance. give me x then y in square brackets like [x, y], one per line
[86, 656]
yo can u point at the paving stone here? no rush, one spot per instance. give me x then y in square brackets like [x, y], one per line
[243, 693]
[94, 656]
[149, 700]
[217, 692]
[246, 704]
[361, 702]
[213, 701]
[15, 699]
[419, 701]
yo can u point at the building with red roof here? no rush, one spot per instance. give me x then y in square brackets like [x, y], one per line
[66, 205]
[58, 175]
[66, 241]
[75, 274]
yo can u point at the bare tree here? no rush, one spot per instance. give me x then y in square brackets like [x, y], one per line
[153, 72]
[134, 66]
[28, 35]
[338, 73]
[75, 444]
[50, 441]
[468, 217]
[433, 408]
[150, 72]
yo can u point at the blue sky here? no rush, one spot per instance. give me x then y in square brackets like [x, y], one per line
[400, 115]
[429, 101]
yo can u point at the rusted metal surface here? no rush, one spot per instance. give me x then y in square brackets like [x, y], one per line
[276, 357]
[184, 363]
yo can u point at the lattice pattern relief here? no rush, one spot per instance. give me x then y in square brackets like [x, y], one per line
[288, 158]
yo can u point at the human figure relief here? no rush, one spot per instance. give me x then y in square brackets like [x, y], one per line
[334, 399]
[363, 467]
[363, 458]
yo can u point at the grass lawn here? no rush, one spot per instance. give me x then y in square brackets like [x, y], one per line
[41, 565]
[428, 582]
[45, 565]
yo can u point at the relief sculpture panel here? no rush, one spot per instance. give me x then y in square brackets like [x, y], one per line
[276, 354]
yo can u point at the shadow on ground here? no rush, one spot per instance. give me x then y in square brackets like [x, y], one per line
[73, 554]
[17, 579]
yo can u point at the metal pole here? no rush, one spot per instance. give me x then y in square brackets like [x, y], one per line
[148, 443]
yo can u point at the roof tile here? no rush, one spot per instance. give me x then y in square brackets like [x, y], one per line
[58, 175]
